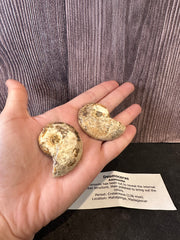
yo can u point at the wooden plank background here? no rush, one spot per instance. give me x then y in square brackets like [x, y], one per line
[59, 49]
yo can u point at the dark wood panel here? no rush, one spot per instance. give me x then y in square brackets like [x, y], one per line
[136, 41]
[33, 50]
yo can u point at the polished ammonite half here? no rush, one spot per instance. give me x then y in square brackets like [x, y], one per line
[62, 142]
[95, 121]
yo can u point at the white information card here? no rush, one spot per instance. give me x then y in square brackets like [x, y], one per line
[112, 189]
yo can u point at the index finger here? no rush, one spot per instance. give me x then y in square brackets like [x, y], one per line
[94, 94]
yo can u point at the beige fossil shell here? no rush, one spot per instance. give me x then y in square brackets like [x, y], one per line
[95, 120]
[62, 142]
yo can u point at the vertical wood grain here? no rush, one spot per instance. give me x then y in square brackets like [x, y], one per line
[33, 50]
[136, 41]
[59, 49]
[94, 33]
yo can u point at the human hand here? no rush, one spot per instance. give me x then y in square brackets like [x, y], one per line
[29, 196]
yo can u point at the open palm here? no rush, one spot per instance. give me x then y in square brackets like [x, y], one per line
[29, 196]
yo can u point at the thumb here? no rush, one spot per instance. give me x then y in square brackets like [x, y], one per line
[17, 99]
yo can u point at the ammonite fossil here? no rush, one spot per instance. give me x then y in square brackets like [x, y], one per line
[96, 122]
[62, 142]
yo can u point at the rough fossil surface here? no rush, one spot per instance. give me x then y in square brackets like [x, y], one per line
[62, 142]
[95, 121]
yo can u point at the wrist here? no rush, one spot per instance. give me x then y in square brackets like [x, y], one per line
[6, 232]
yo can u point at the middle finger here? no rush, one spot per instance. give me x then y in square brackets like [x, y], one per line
[112, 100]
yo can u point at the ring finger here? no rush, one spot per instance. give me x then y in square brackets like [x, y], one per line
[129, 114]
